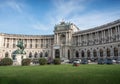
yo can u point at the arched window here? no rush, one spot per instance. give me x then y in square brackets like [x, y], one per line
[68, 54]
[6, 54]
[41, 54]
[88, 53]
[35, 55]
[108, 52]
[101, 53]
[46, 54]
[94, 53]
[30, 55]
[57, 53]
[82, 54]
[62, 39]
[115, 51]
[77, 54]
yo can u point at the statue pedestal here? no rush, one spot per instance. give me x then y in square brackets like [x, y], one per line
[18, 59]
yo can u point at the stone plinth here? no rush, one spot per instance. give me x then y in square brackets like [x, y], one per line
[18, 59]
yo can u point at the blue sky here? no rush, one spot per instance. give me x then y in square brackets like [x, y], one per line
[38, 17]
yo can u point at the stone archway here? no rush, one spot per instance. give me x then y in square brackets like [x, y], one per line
[101, 53]
[82, 54]
[35, 55]
[94, 53]
[30, 55]
[41, 55]
[46, 54]
[88, 54]
[57, 53]
[6, 54]
[68, 54]
[115, 51]
[108, 52]
[77, 54]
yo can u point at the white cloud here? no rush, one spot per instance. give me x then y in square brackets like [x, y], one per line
[71, 10]
[40, 26]
[64, 8]
[12, 4]
[94, 19]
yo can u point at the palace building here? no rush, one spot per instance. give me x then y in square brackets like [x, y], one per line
[67, 42]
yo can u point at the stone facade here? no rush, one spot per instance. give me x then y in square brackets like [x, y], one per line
[67, 42]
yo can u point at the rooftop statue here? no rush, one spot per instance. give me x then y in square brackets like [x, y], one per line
[63, 26]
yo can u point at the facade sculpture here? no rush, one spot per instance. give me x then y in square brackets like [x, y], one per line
[67, 42]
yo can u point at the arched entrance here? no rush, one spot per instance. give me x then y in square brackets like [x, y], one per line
[6, 54]
[82, 54]
[115, 53]
[35, 55]
[68, 54]
[94, 53]
[77, 54]
[46, 54]
[88, 54]
[30, 55]
[101, 53]
[41, 55]
[108, 52]
[57, 53]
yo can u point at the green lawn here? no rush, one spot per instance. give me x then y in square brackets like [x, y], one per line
[60, 74]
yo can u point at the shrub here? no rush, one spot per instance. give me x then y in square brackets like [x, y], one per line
[57, 61]
[26, 62]
[6, 62]
[42, 61]
[35, 61]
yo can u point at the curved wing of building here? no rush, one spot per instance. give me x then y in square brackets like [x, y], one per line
[67, 42]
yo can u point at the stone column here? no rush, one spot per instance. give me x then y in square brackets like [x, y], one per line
[104, 53]
[77, 40]
[91, 54]
[85, 53]
[104, 37]
[119, 51]
[97, 37]
[119, 32]
[80, 40]
[11, 42]
[43, 42]
[57, 38]
[116, 32]
[5, 42]
[66, 38]
[111, 34]
[91, 38]
[98, 53]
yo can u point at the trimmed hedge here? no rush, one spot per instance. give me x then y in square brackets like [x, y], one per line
[6, 62]
[57, 61]
[42, 61]
[26, 62]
